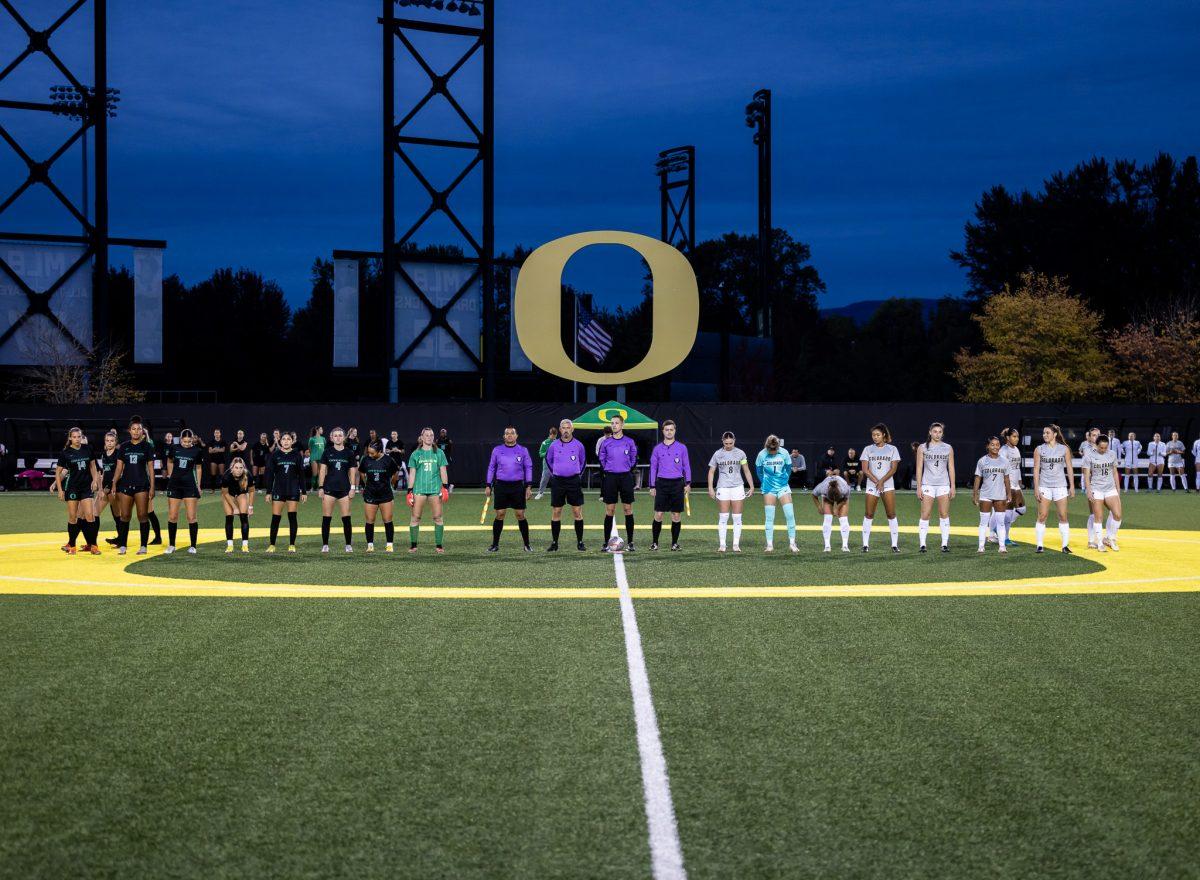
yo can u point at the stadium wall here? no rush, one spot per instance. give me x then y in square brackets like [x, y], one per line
[475, 427]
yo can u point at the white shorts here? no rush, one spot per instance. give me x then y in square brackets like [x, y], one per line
[1175, 461]
[1053, 494]
[1015, 482]
[1101, 494]
[935, 491]
[999, 500]
[872, 489]
[731, 493]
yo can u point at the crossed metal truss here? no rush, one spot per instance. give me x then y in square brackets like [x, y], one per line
[479, 149]
[676, 169]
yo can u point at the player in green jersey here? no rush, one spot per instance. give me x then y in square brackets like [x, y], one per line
[316, 451]
[427, 481]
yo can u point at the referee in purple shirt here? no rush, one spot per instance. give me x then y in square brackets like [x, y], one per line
[566, 459]
[618, 462]
[670, 483]
[510, 483]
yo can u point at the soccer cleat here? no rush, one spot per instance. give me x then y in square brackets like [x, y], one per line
[845, 548]
[389, 548]
[1066, 550]
[169, 549]
[349, 548]
[156, 539]
[141, 551]
[605, 549]
[826, 550]
[866, 549]
[1102, 549]
[121, 551]
[1009, 542]
[537, 497]
[324, 548]
[92, 549]
[245, 546]
[922, 549]
[1040, 549]
[114, 541]
[527, 548]
[945, 548]
[439, 549]
[991, 538]
[71, 551]
[1003, 549]
[720, 548]
[65, 548]
[494, 548]
[412, 549]
[629, 548]
[1112, 545]
[192, 550]
[895, 549]
[291, 548]
[653, 545]
[270, 548]
[675, 548]
[553, 548]
[1092, 545]
[229, 547]
[580, 547]
[792, 546]
[770, 548]
[370, 546]
[980, 550]
[737, 549]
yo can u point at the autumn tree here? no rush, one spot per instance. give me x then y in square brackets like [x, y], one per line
[1041, 344]
[1160, 356]
[63, 374]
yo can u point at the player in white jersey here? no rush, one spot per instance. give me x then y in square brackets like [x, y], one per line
[1175, 450]
[1156, 455]
[1053, 483]
[1010, 451]
[832, 498]
[1088, 444]
[1100, 474]
[992, 493]
[880, 461]
[1130, 451]
[935, 482]
[729, 467]
[1196, 460]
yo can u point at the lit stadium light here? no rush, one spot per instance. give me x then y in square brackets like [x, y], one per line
[463, 7]
[71, 102]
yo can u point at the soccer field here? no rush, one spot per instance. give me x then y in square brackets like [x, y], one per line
[476, 715]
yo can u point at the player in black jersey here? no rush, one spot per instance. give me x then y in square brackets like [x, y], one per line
[185, 467]
[354, 444]
[237, 448]
[107, 465]
[337, 481]
[258, 456]
[237, 497]
[379, 474]
[134, 479]
[400, 456]
[76, 480]
[216, 460]
[287, 483]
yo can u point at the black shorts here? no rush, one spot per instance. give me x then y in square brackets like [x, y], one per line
[336, 493]
[78, 493]
[617, 486]
[290, 496]
[668, 495]
[131, 490]
[378, 497]
[183, 492]
[508, 495]
[566, 490]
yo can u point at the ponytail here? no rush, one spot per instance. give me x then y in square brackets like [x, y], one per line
[1058, 434]
[882, 429]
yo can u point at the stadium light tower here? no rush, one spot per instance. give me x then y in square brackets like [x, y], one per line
[75, 104]
[758, 117]
[676, 170]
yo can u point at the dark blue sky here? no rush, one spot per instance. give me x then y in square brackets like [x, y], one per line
[249, 132]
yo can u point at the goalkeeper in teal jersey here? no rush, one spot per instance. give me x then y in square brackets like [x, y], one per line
[773, 468]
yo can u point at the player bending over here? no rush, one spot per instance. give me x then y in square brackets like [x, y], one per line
[832, 498]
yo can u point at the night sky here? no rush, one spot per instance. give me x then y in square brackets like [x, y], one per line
[249, 132]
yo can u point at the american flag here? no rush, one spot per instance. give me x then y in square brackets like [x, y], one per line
[592, 337]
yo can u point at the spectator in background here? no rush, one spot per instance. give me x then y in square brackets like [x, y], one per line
[395, 449]
[1128, 456]
[353, 443]
[373, 437]
[445, 444]
[798, 479]
[908, 471]
[604, 437]
[852, 470]
[828, 465]
[6, 469]
[542, 450]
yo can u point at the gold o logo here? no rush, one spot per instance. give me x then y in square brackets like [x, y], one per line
[537, 307]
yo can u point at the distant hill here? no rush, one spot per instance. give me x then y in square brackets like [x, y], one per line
[861, 312]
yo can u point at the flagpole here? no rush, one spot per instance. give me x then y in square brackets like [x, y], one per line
[575, 384]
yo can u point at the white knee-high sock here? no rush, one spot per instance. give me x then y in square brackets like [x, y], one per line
[923, 530]
[1171, 480]
[894, 528]
[722, 527]
[985, 522]
[737, 530]
[1114, 525]
[998, 524]
[844, 528]
[1198, 480]
[1091, 522]
[866, 532]
[1096, 534]
[1039, 531]
[1064, 532]
[944, 526]
[827, 528]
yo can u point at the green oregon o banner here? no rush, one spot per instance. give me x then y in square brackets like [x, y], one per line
[537, 307]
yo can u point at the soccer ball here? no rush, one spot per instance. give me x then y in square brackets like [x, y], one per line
[616, 544]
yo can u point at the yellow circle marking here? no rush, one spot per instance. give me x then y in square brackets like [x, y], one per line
[1149, 562]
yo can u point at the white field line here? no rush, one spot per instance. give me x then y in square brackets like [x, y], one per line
[666, 853]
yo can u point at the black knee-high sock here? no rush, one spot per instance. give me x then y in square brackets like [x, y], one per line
[325, 521]
[94, 531]
[153, 517]
[655, 530]
[229, 527]
[193, 530]
[555, 529]
[579, 530]
[369, 530]
[122, 532]
[629, 527]
[675, 527]
[293, 526]
[497, 528]
[608, 528]
[72, 532]
[347, 530]
[85, 529]
[171, 527]
[523, 525]
[275, 520]
[116, 519]
[144, 530]
[389, 531]
[245, 521]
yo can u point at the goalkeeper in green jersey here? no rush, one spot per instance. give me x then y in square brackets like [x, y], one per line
[427, 481]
